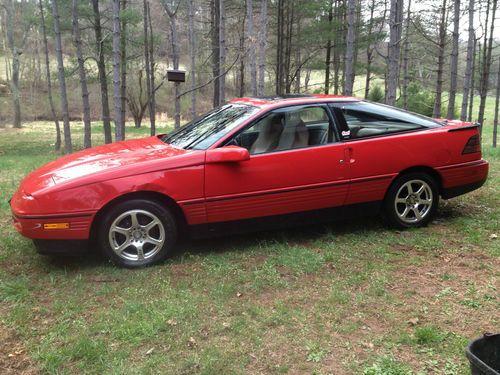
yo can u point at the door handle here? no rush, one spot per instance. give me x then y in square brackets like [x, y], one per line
[348, 155]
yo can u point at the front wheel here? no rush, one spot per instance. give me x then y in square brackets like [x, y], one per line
[411, 201]
[137, 233]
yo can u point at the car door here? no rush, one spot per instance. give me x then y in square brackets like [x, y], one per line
[296, 164]
[381, 141]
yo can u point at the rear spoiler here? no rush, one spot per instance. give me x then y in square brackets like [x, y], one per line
[467, 127]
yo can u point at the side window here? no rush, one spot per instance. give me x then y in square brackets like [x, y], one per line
[286, 129]
[366, 119]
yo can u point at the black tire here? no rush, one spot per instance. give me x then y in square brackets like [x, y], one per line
[150, 236]
[412, 210]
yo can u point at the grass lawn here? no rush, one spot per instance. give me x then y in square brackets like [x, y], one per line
[344, 298]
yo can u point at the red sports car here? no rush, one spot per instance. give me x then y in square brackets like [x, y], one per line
[249, 161]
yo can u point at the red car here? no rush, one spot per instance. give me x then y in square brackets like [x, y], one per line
[268, 159]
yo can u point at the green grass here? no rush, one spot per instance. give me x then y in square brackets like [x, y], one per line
[347, 297]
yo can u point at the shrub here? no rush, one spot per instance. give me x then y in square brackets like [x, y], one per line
[376, 94]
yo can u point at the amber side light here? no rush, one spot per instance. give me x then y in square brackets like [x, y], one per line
[472, 146]
[56, 226]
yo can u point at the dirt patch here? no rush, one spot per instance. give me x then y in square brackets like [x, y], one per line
[13, 357]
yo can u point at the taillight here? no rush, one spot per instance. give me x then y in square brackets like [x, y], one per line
[472, 146]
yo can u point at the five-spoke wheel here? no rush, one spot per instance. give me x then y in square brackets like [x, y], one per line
[137, 233]
[411, 200]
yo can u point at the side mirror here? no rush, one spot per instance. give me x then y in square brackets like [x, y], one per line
[228, 154]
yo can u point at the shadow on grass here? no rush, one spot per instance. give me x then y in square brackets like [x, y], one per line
[241, 242]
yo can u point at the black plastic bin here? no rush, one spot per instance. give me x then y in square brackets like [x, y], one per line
[484, 355]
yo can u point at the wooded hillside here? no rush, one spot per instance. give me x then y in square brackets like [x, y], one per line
[106, 60]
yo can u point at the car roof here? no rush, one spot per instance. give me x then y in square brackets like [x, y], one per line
[291, 99]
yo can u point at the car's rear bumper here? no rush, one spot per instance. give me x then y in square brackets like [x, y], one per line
[459, 179]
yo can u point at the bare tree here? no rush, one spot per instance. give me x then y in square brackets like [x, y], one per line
[152, 93]
[16, 53]
[77, 40]
[454, 61]
[406, 52]
[351, 35]
[101, 66]
[485, 76]
[215, 34]
[147, 66]
[250, 37]
[68, 147]
[395, 31]
[123, 65]
[279, 46]
[262, 47]
[57, 144]
[328, 48]
[222, 50]
[192, 55]
[469, 63]
[440, 63]
[174, 40]
[117, 61]
[497, 102]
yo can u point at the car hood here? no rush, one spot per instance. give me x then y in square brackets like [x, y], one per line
[108, 161]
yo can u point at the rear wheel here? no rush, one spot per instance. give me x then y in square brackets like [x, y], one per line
[137, 233]
[412, 200]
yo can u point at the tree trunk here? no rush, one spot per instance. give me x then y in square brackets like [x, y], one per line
[395, 19]
[486, 67]
[288, 45]
[101, 66]
[454, 61]
[469, 63]
[241, 77]
[152, 94]
[473, 80]
[174, 40]
[328, 48]
[87, 142]
[436, 113]
[222, 51]
[369, 51]
[16, 53]
[351, 35]
[147, 65]
[57, 145]
[123, 66]
[192, 52]
[497, 102]
[215, 20]
[251, 48]
[406, 52]
[68, 148]
[117, 57]
[298, 58]
[279, 49]
[262, 47]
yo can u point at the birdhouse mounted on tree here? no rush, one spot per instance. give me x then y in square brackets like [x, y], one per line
[176, 75]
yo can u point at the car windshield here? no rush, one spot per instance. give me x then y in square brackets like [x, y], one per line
[209, 128]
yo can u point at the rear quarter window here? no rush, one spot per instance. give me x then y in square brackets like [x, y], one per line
[364, 119]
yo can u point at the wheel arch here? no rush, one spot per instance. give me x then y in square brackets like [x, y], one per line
[146, 194]
[420, 169]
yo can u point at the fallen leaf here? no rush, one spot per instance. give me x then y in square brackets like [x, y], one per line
[226, 325]
[192, 342]
[171, 322]
[413, 321]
